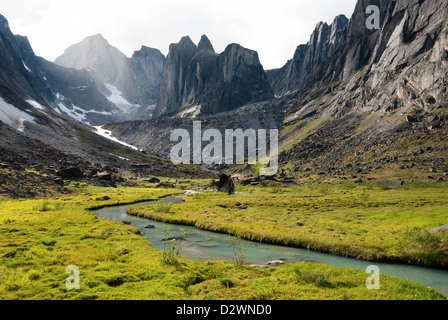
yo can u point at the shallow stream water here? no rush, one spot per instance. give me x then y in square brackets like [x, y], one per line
[210, 246]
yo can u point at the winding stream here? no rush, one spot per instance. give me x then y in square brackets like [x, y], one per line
[209, 246]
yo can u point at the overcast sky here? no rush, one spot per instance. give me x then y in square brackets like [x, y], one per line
[274, 28]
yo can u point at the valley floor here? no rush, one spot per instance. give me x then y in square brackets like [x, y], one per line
[374, 223]
[41, 238]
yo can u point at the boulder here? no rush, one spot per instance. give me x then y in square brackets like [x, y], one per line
[93, 173]
[275, 263]
[59, 182]
[439, 229]
[269, 264]
[393, 184]
[104, 183]
[153, 180]
[411, 119]
[173, 239]
[10, 254]
[123, 251]
[104, 176]
[119, 179]
[73, 172]
[166, 185]
[259, 266]
[225, 184]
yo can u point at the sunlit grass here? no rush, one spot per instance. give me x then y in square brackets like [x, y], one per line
[39, 239]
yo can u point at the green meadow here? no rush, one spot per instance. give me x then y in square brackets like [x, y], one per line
[40, 238]
[365, 222]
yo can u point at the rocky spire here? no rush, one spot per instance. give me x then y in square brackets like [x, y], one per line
[324, 41]
[3, 23]
[197, 76]
[205, 44]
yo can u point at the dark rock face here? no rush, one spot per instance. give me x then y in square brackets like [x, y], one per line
[16, 82]
[322, 45]
[144, 87]
[205, 45]
[174, 76]
[197, 77]
[225, 184]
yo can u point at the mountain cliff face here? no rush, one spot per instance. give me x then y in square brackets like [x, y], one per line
[197, 80]
[396, 66]
[96, 54]
[15, 75]
[369, 104]
[174, 76]
[132, 84]
[381, 100]
[146, 67]
[324, 42]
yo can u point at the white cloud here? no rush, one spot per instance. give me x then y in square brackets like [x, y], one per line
[273, 28]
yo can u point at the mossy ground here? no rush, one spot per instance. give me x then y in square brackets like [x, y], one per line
[41, 238]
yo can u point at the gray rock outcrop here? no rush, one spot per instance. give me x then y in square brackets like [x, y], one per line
[195, 77]
[323, 43]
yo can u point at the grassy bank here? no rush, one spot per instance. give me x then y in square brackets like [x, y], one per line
[365, 222]
[39, 239]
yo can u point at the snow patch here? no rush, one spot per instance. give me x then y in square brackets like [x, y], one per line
[105, 113]
[79, 116]
[122, 158]
[13, 117]
[76, 112]
[108, 135]
[26, 67]
[117, 98]
[35, 104]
